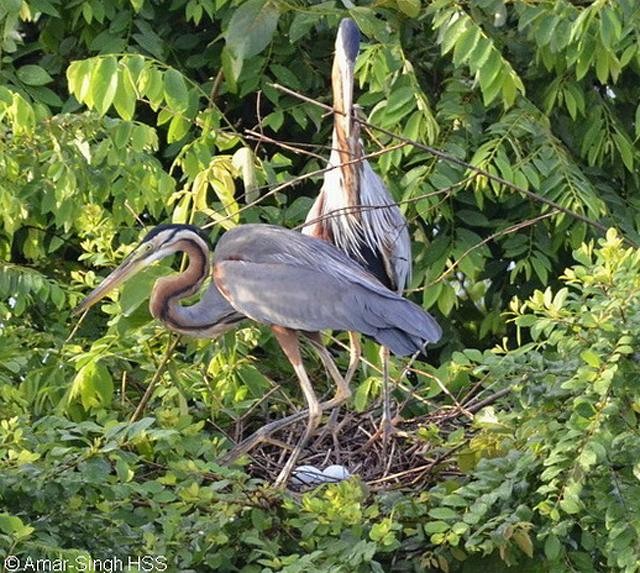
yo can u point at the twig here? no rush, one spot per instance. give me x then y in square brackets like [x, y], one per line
[76, 327]
[508, 230]
[488, 400]
[261, 137]
[156, 376]
[215, 87]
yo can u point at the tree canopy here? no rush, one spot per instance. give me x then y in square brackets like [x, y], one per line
[506, 130]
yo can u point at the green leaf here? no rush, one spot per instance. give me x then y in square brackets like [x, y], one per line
[443, 513]
[410, 8]
[465, 45]
[148, 40]
[591, 358]
[490, 71]
[523, 541]
[93, 385]
[436, 527]
[33, 75]
[301, 25]
[79, 79]
[14, 527]
[151, 84]
[570, 505]
[232, 67]
[175, 91]
[251, 28]
[125, 98]
[9, 523]
[491, 91]
[602, 65]
[552, 547]
[447, 299]
[285, 76]
[178, 128]
[362, 393]
[625, 149]
[432, 294]
[453, 31]
[137, 289]
[610, 27]
[104, 84]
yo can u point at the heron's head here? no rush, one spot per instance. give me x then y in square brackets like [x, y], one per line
[160, 242]
[348, 39]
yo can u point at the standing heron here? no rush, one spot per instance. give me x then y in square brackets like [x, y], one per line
[354, 209]
[293, 283]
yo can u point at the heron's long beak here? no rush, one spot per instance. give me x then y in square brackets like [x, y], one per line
[129, 267]
[347, 46]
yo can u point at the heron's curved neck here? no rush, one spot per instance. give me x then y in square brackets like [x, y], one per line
[169, 291]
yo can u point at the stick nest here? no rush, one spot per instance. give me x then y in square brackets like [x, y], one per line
[407, 461]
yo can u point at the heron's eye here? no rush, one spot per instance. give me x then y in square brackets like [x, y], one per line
[143, 251]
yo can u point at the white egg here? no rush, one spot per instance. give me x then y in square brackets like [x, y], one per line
[336, 472]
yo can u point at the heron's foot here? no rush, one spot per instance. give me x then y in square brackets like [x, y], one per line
[333, 426]
[385, 432]
[312, 425]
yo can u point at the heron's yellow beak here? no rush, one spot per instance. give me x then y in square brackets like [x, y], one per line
[343, 92]
[134, 263]
[347, 45]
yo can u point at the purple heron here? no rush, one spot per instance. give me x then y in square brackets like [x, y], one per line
[293, 283]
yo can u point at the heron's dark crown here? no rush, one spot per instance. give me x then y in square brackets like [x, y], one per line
[175, 228]
[350, 36]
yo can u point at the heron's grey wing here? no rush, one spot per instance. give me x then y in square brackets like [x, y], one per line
[302, 297]
[211, 316]
[260, 243]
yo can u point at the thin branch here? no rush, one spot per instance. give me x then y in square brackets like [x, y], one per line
[507, 231]
[262, 138]
[156, 376]
[215, 88]
[488, 400]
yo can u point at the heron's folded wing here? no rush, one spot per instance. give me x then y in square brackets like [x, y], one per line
[303, 298]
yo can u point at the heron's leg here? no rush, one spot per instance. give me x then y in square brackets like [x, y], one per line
[386, 423]
[288, 340]
[355, 353]
[343, 391]
[342, 394]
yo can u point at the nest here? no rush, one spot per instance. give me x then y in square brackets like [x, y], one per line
[405, 461]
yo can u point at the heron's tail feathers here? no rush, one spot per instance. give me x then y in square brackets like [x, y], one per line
[404, 327]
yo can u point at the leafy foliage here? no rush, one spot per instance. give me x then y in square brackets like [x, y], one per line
[123, 113]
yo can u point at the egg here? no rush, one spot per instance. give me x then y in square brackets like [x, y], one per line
[336, 472]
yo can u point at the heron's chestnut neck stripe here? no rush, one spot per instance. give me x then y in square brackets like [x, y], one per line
[168, 292]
